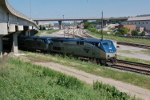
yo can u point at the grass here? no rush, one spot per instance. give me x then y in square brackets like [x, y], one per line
[133, 59]
[24, 80]
[125, 51]
[39, 33]
[146, 51]
[52, 31]
[122, 39]
[132, 78]
[47, 31]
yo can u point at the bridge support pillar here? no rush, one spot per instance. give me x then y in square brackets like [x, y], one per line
[15, 43]
[60, 24]
[1, 47]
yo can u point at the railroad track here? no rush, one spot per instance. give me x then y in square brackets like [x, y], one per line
[135, 45]
[82, 34]
[121, 64]
[132, 67]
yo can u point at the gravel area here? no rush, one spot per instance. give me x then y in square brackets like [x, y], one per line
[134, 52]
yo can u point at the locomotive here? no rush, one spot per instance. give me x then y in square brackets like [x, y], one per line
[103, 51]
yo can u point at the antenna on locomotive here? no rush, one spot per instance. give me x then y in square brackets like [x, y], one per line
[102, 27]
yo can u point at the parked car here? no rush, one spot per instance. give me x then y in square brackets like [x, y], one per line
[129, 34]
[146, 36]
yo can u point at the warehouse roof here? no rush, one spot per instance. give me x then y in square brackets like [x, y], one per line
[141, 18]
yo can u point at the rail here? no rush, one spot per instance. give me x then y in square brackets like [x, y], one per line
[134, 44]
[133, 67]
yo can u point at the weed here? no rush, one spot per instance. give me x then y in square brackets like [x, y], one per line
[111, 90]
[28, 81]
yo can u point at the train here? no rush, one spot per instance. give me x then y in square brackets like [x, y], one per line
[103, 52]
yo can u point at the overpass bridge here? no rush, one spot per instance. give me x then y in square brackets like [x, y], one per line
[79, 19]
[12, 22]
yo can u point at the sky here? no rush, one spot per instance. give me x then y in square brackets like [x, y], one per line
[52, 9]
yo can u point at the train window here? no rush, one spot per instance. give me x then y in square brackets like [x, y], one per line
[109, 43]
[105, 43]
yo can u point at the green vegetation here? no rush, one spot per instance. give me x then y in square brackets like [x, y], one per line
[133, 59]
[124, 30]
[93, 68]
[42, 27]
[118, 34]
[122, 39]
[47, 31]
[26, 81]
[142, 34]
[39, 33]
[146, 51]
[51, 31]
[134, 32]
[89, 25]
[125, 51]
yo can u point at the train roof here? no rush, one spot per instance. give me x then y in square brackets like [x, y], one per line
[81, 39]
[67, 39]
[37, 37]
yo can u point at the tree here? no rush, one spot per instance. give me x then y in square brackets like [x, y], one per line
[118, 34]
[42, 27]
[89, 25]
[134, 32]
[143, 33]
[124, 30]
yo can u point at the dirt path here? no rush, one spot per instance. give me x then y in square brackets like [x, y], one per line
[89, 78]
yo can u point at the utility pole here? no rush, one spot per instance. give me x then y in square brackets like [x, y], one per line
[102, 27]
[30, 8]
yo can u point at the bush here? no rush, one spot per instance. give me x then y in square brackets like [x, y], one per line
[69, 82]
[134, 32]
[124, 30]
[94, 30]
[112, 91]
[118, 34]
[143, 33]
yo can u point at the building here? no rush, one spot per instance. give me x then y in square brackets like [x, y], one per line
[131, 27]
[46, 24]
[142, 22]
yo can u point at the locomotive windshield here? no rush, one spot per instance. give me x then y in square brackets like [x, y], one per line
[107, 43]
